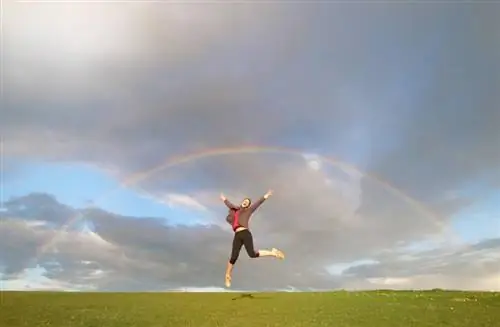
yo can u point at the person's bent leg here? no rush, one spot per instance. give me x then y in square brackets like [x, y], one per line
[249, 247]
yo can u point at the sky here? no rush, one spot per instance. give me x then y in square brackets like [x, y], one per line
[376, 124]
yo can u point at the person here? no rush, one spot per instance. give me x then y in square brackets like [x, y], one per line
[239, 217]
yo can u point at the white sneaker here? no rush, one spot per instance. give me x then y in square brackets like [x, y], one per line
[278, 254]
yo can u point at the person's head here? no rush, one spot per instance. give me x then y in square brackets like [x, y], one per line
[245, 203]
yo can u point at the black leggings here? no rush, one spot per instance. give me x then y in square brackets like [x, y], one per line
[241, 238]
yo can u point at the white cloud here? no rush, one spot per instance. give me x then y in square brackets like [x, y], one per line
[391, 282]
[36, 223]
[338, 268]
[66, 240]
[33, 279]
[183, 200]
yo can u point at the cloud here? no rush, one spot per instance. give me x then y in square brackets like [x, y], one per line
[133, 253]
[147, 81]
[405, 92]
[183, 200]
[33, 279]
[467, 267]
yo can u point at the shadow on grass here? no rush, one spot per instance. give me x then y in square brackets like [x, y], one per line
[250, 297]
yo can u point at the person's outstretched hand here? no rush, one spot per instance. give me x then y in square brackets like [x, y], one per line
[223, 197]
[268, 194]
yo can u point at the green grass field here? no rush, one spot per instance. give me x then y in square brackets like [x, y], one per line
[335, 309]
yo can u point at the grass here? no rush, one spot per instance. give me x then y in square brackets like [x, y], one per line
[333, 309]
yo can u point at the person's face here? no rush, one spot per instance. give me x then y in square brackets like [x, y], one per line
[245, 203]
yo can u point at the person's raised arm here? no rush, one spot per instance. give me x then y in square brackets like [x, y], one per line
[259, 202]
[227, 202]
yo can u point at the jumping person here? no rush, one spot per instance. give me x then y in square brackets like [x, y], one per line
[239, 217]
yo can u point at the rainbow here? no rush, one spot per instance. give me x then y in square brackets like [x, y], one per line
[174, 161]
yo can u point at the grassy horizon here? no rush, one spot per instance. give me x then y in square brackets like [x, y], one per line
[381, 308]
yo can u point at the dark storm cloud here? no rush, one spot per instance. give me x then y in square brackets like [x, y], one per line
[200, 93]
[412, 87]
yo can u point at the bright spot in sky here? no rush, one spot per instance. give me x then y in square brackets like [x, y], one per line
[314, 164]
[313, 161]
